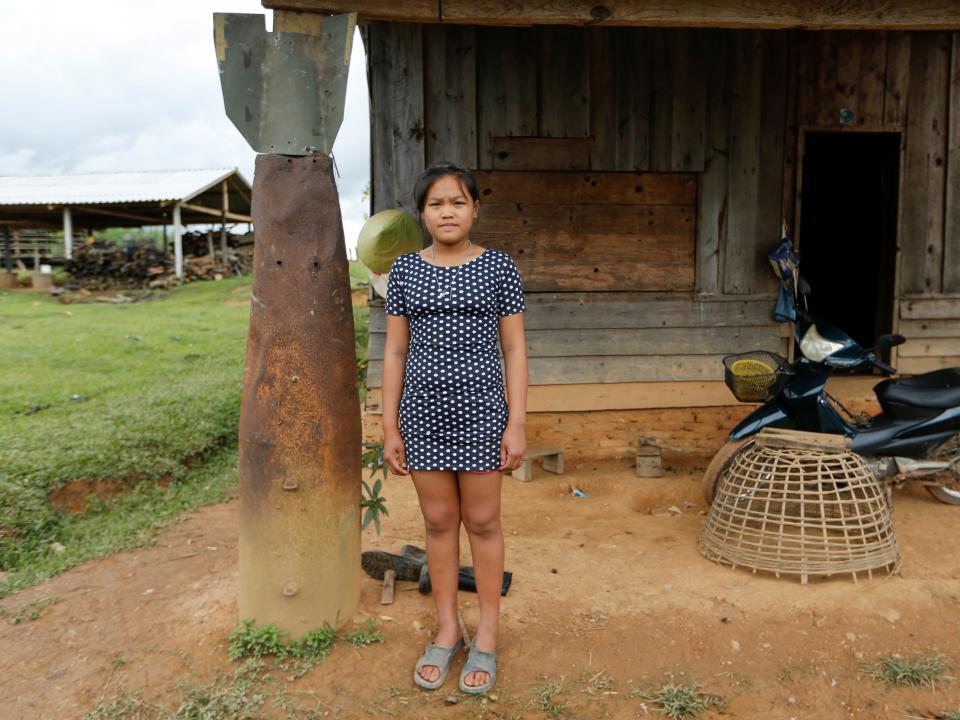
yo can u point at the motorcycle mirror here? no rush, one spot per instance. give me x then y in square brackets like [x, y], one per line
[803, 287]
[891, 340]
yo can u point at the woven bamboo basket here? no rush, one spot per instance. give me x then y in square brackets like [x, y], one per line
[800, 511]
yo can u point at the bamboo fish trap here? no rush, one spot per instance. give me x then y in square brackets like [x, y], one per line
[800, 510]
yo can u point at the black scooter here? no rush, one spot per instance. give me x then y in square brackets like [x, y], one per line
[916, 437]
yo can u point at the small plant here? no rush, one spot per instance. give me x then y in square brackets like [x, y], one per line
[248, 640]
[313, 645]
[28, 612]
[366, 635]
[949, 715]
[374, 502]
[682, 701]
[543, 698]
[238, 699]
[598, 684]
[922, 670]
[124, 706]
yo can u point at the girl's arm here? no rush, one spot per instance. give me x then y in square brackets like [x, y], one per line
[394, 361]
[514, 346]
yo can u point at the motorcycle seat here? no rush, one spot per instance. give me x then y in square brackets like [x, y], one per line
[938, 389]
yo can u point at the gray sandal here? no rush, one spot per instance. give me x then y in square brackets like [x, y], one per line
[437, 656]
[479, 661]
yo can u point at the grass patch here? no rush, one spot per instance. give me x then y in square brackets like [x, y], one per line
[130, 520]
[543, 697]
[27, 612]
[682, 701]
[241, 695]
[238, 697]
[358, 275]
[366, 635]
[248, 640]
[921, 671]
[134, 393]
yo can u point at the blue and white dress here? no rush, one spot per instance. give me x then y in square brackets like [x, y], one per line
[453, 410]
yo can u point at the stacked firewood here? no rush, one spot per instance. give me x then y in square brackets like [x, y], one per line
[101, 265]
[105, 266]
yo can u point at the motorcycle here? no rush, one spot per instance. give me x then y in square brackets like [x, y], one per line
[915, 438]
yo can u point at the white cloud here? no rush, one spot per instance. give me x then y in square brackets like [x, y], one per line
[116, 85]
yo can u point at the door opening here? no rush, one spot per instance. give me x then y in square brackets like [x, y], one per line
[848, 227]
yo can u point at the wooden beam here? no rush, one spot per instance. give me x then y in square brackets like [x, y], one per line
[223, 217]
[612, 396]
[118, 214]
[215, 213]
[240, 189]
[771, 14]
[407, 11]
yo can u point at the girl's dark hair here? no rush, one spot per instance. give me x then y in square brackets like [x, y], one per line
[434, 173]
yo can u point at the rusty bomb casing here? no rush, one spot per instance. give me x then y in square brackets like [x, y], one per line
[300, 433]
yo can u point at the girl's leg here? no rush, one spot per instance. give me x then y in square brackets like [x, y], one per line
[480, 510]
[440, 503]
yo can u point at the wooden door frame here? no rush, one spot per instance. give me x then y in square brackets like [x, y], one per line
[802, 131]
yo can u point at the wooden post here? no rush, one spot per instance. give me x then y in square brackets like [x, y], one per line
[177, 242]
[210, 244]
[67, 233]
[223, 218]
[7, 250]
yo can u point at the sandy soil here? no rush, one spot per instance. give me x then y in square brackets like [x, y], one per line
[609, 594]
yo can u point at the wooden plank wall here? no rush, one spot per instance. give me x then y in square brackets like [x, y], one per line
[601, 99]
[718, 111]
[932, 328]
[592, 231]
[906, 82]
[578, 339]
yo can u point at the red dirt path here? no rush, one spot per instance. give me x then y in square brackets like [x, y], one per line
[631, 604]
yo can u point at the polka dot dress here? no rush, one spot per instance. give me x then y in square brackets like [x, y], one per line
[453, 410]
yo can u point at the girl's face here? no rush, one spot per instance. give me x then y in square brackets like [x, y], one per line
[448, 211]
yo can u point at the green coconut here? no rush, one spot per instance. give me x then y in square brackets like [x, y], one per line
[385, 237]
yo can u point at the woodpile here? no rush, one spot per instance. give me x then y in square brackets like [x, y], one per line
[103, 265]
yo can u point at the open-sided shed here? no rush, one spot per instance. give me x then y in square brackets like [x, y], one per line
[126, 199]
[639, 159]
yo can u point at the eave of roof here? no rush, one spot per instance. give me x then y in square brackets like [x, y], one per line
[111, 188]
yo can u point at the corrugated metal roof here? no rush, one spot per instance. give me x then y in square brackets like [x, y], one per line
[94, 188]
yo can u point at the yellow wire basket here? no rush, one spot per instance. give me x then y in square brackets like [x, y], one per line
[756, 376]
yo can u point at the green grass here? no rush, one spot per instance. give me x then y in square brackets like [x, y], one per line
[921, 671]
[682, 701]
[358, 275]
[543, 697]
[367, 635]
[134, 392]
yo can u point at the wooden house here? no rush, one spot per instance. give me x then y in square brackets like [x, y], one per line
[639, 159]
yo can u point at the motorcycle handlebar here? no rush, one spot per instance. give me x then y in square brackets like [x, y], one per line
[884, 368]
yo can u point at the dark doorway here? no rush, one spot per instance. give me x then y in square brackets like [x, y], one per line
[848, 227]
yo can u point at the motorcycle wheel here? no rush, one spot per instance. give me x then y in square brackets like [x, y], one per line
[949, 492]
[721, 461]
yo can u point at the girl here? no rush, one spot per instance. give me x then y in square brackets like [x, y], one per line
[446, 421]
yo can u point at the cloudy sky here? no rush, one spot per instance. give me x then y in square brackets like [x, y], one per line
[103, 85]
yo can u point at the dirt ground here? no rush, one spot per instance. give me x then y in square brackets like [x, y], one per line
[610, 595]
